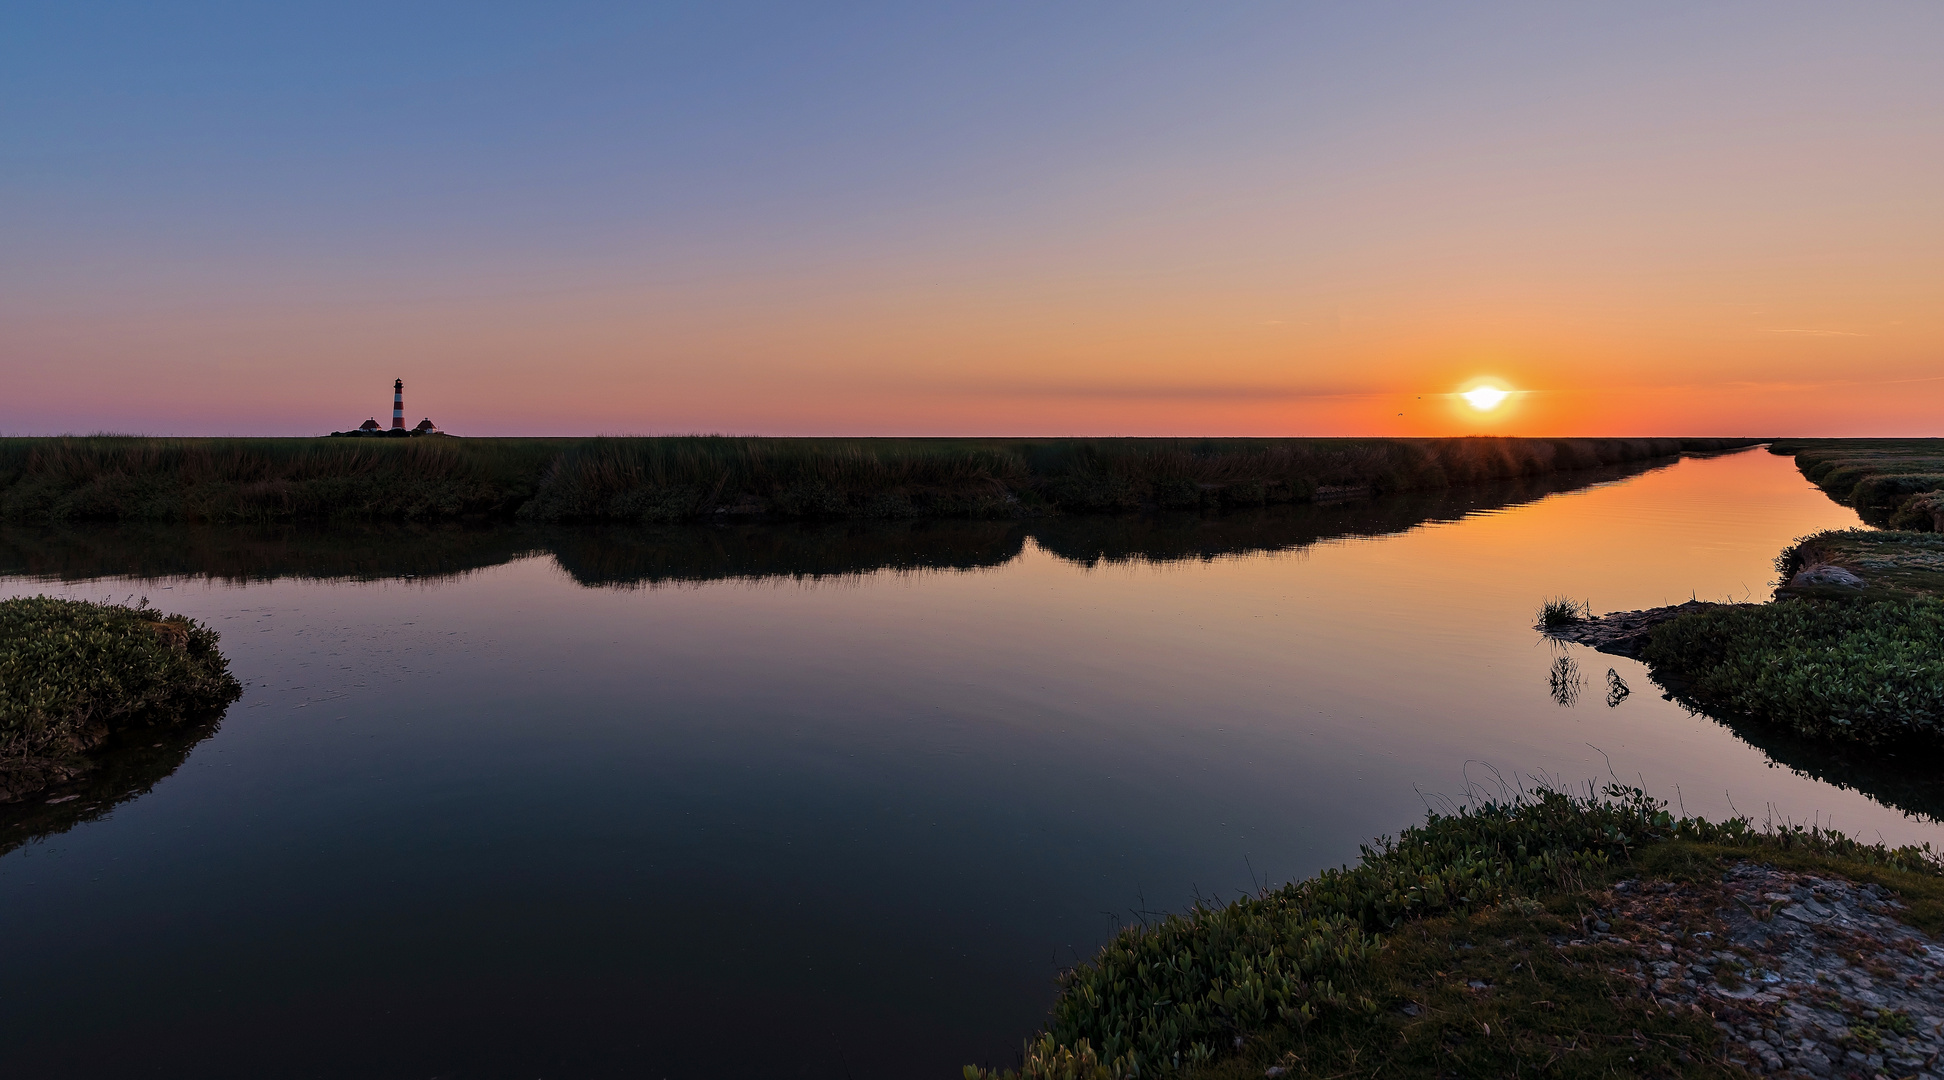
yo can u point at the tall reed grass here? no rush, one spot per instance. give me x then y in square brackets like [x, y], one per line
[677, 478]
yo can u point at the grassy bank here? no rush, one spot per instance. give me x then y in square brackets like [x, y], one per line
[1897, 483]
[1864, 671]
[1852, 649]
[74, 674]
[45, 481]
[1459, 948]
[1850, 652]
[732, 547]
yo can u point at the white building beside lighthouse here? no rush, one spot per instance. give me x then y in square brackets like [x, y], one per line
[398, 429]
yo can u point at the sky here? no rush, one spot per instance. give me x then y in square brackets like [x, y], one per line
[973, 219]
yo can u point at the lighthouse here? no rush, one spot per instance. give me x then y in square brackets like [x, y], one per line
[398, 430]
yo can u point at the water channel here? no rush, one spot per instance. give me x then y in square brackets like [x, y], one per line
[821, 801]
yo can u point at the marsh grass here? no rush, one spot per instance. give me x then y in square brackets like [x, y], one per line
[1894, 482]
[634, 554]
[685, 477]
[1892, 563]
[1561, 610]
[1371, 970]
[73, 673]
[266, 480]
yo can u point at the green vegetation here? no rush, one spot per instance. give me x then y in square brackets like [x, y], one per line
[73, 673]
[1365, 970]
[1868, 671]
[1891, 564]
[1852, 660]
[1852, 651]
[61, 480]
[1893, 482]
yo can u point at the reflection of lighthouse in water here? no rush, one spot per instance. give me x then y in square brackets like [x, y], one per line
[398, 405]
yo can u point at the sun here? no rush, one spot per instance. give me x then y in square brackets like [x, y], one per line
[1485, 398]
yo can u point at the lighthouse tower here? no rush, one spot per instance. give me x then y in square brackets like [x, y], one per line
[398, 405]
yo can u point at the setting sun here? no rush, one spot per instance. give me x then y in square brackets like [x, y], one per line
[1484, 398]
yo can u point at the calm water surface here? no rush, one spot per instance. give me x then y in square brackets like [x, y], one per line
[735, 803]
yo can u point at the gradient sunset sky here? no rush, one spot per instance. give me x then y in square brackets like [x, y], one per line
[985, 218]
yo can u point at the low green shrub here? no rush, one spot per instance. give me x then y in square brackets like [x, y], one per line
[1864, 672]
[1187, 991]
[1178, 992]
[73, 672]
[1922, 512]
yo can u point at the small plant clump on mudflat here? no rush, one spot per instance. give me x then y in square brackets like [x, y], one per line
[1394, 966]
[72, 673]
[1561, 610]
[1867, 672]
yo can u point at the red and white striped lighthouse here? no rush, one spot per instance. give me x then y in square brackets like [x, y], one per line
[398, 405]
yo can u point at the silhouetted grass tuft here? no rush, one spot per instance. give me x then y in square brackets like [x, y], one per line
[1561, 610]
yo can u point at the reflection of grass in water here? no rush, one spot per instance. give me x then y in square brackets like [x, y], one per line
[125, 768]
[1617, 689]
[1565, 681]
[1907, 779]
[1468, 977]
[241, 553]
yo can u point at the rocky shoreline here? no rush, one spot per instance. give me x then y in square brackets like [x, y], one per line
[1622, 633]
[1805, 976]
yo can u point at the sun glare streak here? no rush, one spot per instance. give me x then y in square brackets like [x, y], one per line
[1485, 398]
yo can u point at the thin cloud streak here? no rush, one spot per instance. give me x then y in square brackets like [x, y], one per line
[1174, 392]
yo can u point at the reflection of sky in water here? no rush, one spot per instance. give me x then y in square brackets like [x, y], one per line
[502, 822]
